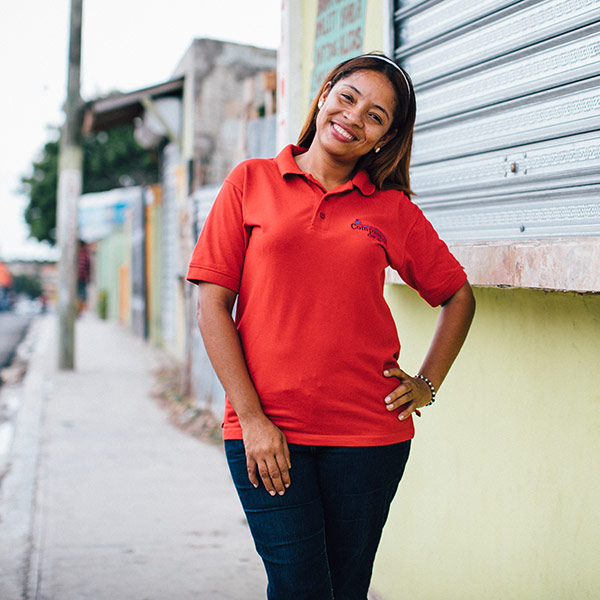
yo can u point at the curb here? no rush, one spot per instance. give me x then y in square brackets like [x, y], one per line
[20, 524]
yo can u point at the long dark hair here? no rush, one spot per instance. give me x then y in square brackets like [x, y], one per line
[389, 168]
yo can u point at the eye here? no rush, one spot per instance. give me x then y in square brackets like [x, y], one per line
[376, 118]
[346, 97]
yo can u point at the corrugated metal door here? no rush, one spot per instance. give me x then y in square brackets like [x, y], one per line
[507, 142]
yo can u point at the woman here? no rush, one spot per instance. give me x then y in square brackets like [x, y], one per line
[318, 421]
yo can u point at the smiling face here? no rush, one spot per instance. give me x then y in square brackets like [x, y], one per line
[356, 115]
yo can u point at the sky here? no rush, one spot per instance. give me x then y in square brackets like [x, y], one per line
[126, 45]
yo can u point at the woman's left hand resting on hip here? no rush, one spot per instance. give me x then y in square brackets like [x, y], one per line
[450, 333]
[412, 393]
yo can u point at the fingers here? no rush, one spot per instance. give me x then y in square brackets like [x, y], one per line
[273, 472]
[251, 466]
[271, 467]
[400, 395]
[406, 397]
[396, 372]
[286, 453]
[407, 410]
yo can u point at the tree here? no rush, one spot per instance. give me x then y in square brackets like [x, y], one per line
[111, 159]
[40, 215]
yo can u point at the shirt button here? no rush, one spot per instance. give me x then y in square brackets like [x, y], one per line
[322, 215]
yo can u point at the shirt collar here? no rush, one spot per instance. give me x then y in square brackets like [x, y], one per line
[287, 166]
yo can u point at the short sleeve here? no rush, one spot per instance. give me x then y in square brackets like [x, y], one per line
[218, 256]
[427, 264]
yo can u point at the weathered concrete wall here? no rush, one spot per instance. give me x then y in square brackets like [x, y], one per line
[215, 104]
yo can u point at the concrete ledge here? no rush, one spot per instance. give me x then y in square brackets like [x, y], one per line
[564, 264]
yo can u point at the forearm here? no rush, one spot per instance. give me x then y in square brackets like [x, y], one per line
[267, 452]
[451, 330]
[224, 348]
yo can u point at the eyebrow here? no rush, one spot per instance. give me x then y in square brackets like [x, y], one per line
[375, 105]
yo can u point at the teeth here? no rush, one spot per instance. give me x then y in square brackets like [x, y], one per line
[343, 132]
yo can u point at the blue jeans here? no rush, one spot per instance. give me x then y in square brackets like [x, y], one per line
[318, 541]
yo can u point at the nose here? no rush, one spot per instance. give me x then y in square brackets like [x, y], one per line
[354, 115]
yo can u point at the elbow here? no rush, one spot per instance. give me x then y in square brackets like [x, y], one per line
[213, 300]
[200, 311]
[465, 299]
[205, 307]
[471, 298]
[466, 291]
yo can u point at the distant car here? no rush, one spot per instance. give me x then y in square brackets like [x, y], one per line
[6, 300]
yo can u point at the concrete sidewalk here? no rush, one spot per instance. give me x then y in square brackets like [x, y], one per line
[107, 500]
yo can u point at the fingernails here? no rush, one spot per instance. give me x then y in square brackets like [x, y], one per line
[272, 492]
[387, 399]
[386, 372]
[281, 493]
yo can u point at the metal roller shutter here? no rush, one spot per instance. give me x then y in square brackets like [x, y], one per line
[507, 141]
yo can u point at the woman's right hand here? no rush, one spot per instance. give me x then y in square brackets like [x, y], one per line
[267, 454]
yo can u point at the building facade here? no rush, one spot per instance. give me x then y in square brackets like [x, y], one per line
[216, 110]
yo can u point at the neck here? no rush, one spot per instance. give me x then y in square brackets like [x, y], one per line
[325, 168]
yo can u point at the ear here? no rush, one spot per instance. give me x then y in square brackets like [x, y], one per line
[325, 92]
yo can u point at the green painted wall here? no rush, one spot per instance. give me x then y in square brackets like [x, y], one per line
[111, 254]
[154, 267]
[500, 497]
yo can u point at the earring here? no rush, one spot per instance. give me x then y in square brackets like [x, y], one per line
[377, 150]
[320, 104]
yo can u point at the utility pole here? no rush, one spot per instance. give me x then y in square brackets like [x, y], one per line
[69, 189]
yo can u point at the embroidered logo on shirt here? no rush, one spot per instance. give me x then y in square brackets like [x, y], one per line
[371, 231]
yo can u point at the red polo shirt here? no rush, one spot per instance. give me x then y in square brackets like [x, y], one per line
[308, 266]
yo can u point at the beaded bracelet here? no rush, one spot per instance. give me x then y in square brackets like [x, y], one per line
[431, 387]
